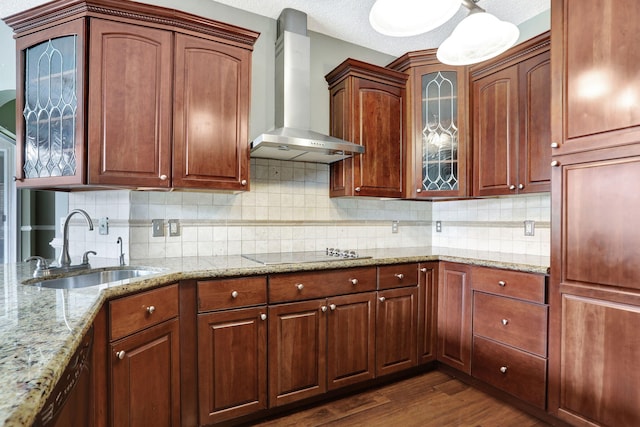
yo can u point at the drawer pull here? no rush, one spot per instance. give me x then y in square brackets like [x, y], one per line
[505, 322]
[423, 269]
[263, 316]
[382, 299]
[323, 308]
[332, 307]
[400, 276]
[503, 369]
[120, 354]
[354, 281]
[512, 187]
[234, 294]
[299, 286]
[502, 283]
[151, 309]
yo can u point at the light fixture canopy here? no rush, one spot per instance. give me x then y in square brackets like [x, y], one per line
[403, 18]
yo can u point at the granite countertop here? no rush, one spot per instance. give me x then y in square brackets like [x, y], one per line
[41, 328]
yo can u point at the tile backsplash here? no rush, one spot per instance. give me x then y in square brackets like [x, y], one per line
[289, 209]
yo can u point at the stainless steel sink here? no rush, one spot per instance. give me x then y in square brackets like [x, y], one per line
[93, 278]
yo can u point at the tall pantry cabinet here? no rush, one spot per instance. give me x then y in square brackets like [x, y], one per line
[595, 273]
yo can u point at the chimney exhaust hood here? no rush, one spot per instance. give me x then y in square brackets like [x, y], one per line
[292, 138]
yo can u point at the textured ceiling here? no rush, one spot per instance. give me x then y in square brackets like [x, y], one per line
[349, 19]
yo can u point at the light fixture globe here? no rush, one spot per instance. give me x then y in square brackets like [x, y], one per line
[477, 37]
[403, 18]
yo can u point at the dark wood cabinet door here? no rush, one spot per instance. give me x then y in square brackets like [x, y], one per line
[130, 104]
[145, 379]
[454, 316]
[427, 306]
[350, 339]
[232, 363]
[211, 111]
[495, 127]
[297, 351]
[396, 336]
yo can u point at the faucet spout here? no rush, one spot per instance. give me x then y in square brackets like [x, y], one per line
[64, 261]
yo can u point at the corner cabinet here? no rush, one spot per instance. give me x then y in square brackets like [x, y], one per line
[436, 118]
[166, 95]
[511, 101]
[367, 107]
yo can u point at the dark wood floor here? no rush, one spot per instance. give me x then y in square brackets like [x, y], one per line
[434, 399]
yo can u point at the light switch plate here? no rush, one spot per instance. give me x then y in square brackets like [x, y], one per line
[174, 227]
[103, 226]
[529, 228]
[157, 226]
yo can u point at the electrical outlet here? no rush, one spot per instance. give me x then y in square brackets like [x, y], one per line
[157, 226]
[529, 228]
[394, 226]
[174, 227]
[103, 226]
[438, 226]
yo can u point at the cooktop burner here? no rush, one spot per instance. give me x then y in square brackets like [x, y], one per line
[331, 254]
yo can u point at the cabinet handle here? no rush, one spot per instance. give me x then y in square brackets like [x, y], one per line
[505, 322]
[299, 286]
[163, 177]
[502, 283]
[354, 281]
[555, 163]
[520, 186]
[234, 294]
[382, 299]
[400, 276]
[418, 190]
[555, 145]
[243, 182]
[512, 187]
[332, 307]
[263, 316]
[503, 369]
[120, 354]
[357, 189]
[151, 309]
[323, 308]
[423, 269]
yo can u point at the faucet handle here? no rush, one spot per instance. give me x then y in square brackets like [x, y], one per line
[85, 257]
[42, 267]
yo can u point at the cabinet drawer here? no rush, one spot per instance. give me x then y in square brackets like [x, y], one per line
[516, 284]
[514, 371]
[514, 322]
[397, 276]
[302, 286]
[136, 312]
[231, 293]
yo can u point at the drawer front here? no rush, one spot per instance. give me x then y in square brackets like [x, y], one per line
[514, 322]
[516, 372]
[397, 276]
[302, 286]
[136, 312]
[231, 293]
[516, 284]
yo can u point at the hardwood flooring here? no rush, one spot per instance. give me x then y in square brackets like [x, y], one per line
[434, 399]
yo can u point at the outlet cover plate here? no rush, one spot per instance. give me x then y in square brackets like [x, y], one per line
[394, 226]
[174, 227]
[103, 226]
[438, 226]
[529, 228]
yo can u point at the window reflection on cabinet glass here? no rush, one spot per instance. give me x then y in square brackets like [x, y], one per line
[50, 108]
[439, 131]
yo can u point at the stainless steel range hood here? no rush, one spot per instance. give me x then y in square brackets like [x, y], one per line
[292, 138]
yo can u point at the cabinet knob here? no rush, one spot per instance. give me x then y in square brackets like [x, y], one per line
[423, 269]
[332, 307]
[323, 308]
[400, 276]
[555, 163]
[512, 187]
[354, 281]
[120, 354]
[243, 182]
[151, 309]
[418, 190]
[520, 186]
[502, 283]
[299, 286]
[357, 189]
[163, 177]
[503, 369]
[505, 322]
[555, 145]
[234, 294]
[263, 316]
[382, 299]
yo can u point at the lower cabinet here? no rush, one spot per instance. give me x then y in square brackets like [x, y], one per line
[427, 306]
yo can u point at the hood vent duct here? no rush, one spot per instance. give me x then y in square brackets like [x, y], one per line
[292, 138]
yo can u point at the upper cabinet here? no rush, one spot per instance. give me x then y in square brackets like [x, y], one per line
[123, 94]
[511, 100]
[437, 136]
[367, 105]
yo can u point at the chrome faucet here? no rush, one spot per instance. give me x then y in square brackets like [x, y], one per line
[121, 258]
[64, 261]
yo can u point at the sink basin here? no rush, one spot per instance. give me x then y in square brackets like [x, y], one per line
[93, 278]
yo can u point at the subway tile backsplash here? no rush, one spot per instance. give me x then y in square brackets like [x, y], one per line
[289, 209]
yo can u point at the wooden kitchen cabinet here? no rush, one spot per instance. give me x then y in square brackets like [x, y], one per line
[427, 310]
[511, 100]
[166, 107]
[437, 131]
[367, 107]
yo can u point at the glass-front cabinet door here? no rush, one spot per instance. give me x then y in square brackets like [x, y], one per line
[50, 99]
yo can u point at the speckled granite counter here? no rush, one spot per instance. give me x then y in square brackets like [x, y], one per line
[41, 328]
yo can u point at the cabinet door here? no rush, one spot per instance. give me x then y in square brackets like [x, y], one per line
[351, 339]
[427, 306]
[534, 151]
[130, 105]
[454, 316]
[396, 318]
[232, 363]
[297, 351]
[211, 97]
[495, 132]
[145, 377]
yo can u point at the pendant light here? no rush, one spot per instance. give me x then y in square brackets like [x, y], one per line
[477, 37]
[403, 18]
